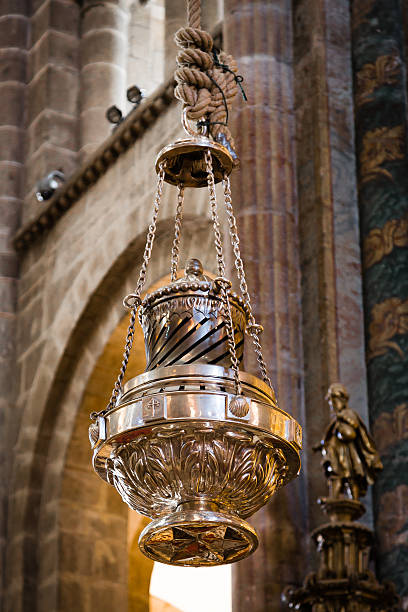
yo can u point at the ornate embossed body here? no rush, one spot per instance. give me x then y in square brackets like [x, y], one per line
[236, 470]
[177, 450]
[194, 445]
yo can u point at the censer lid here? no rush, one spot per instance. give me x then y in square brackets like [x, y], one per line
[194, 281]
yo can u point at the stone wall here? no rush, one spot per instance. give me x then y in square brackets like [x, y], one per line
[72, 282]
[296, 202]
[14, 32]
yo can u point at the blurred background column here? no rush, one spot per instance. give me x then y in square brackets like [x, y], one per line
[259, 35]
[380, 97]
[14, 30]
[330, 257]
[103, 58]
[51, 116]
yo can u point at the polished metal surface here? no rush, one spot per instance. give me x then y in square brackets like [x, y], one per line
[344, 580]
[170, 464]
[184, 323]
[194, 443]
[198, 534]
[173, 440]
[183, 161]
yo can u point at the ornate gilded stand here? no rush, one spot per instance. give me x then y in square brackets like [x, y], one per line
[343, 581]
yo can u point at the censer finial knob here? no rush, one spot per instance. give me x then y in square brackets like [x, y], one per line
[194, 267]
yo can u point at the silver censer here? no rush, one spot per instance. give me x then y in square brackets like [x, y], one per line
[195, 443]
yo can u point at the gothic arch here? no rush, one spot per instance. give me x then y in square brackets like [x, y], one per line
[57, 395]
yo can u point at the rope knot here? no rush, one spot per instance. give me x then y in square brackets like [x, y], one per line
[206, 83]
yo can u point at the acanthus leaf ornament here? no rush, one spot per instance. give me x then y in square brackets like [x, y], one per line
[195, 443]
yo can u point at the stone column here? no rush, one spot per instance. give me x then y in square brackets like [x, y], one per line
[332, 302]
[381, 137]
[175, 18]
[146, 60]
[52, 97]
[103, 68]
[13, 56]
[259, 35]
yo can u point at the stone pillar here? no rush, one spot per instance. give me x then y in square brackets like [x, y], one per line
[103, 68]
[259, 35]
[381, 137]
[175, 18]
[52, 96]
[13, 55]
[332, 303]
[146, 63]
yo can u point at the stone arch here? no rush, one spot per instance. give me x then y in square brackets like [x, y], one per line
[71, 349]
[54, 405]
[97, 533]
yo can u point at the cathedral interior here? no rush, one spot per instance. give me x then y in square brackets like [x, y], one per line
[319, 123]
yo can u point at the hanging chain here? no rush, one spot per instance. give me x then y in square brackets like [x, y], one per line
[223, 283]
[133, 300]
[175, 251]
[118, 384]
[253, 328]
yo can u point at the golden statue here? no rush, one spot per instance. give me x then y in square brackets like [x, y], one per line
[350, 459]
[343, 581]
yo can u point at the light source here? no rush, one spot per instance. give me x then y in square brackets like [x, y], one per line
[46, 187]
[194, 442]
[134, 95]
[114, 115]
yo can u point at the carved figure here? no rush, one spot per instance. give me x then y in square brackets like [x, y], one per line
[350, 459]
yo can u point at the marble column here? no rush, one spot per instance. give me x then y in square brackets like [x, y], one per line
[259, 35]
[332, 302]
[381, 137]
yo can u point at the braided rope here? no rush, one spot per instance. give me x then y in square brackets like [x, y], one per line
[194, 13]
[206, 90]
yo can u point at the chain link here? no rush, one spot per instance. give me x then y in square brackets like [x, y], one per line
[133, 300]
[254, 330]
[223, 282]
[150, 235]
[118, 384]
[175, 251]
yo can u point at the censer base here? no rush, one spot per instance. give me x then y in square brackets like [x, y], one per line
[198, 534]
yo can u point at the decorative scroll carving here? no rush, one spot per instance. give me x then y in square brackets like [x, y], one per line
[381, 241]
[384, 71]
[381, 145]
[234, 469]
[388, 319]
